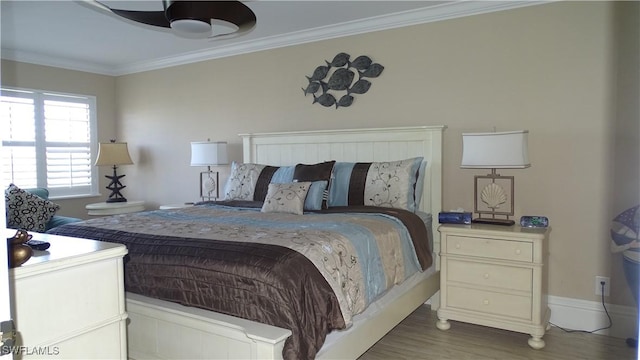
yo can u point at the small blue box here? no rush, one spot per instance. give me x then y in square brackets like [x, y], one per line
[447, 217]
[534, 221]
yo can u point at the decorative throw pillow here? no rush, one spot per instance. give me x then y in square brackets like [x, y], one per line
[315, 172]
[387, 184]
[284, 174]
[420, 184]
[248, 181]
[286, 198]
[316, 195]
[27, 211]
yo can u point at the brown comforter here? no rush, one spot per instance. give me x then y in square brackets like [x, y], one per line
[256, 281]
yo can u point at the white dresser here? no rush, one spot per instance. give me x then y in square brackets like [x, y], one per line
[68, 301]
[495, 276]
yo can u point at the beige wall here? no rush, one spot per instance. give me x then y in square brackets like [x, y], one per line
[551, 69]
[46, 78]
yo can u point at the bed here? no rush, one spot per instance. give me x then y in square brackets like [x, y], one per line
[166, 329]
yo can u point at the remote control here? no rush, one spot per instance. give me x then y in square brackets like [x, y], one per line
[38, 245]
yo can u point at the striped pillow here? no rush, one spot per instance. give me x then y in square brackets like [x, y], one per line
[251, 181]
[386, 184]
[248, 181]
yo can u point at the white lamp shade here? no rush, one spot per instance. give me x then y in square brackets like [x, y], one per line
[495, 150]
[113, 153]
[205, 153]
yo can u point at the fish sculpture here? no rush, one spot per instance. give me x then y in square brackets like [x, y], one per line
[361, 63]
[360, 87]
[340, 60]
[341, 79]
[341, 73]
[373, 71]
[312, 88]
[345, 100]
[324, 99]
[319, 73]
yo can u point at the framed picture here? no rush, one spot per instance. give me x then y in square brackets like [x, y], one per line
[209, 185]
[494, 195]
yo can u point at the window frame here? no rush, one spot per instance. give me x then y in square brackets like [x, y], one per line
[40, 143]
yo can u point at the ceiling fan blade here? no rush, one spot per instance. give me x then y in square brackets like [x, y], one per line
[234, 12]
[155, 18]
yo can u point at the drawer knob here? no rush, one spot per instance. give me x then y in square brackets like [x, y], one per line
[457, 246]
[486, 275]
[518, 251]
[485, 301]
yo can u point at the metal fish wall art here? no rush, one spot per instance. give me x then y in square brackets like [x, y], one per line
[341, 73]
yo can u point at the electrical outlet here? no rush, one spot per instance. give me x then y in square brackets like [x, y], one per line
[599, 281]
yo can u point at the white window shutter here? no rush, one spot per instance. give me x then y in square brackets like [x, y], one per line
[48, 144]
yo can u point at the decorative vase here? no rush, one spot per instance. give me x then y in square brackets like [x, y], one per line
[19, 251]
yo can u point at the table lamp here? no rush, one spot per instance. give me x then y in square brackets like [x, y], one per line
[114, 153]
[208, 153]
[493, 193]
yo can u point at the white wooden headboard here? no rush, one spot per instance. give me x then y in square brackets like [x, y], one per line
[356, 145]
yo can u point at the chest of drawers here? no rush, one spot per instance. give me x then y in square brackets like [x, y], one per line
[495, 276]
[68, 301]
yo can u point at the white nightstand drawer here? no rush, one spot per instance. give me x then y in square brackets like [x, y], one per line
[513, 306]
[490, 248]
[481, 274]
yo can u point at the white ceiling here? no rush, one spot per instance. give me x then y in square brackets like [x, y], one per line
[76, 35]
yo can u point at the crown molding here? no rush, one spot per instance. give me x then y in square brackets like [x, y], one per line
[440, 12]
[59, 62]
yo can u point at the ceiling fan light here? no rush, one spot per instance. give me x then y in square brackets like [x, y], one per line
[191, 26]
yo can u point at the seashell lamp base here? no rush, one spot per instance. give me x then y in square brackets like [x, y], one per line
[493, 199]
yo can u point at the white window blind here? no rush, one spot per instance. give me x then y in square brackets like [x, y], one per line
[47, 141]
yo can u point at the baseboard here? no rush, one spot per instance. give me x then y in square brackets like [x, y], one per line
[586, 315]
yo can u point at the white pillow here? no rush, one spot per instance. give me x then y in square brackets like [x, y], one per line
[286, 197]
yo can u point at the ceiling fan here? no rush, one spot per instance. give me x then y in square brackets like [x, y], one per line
[192, 18]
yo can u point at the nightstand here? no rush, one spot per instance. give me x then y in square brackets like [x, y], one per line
[495, 276]
[114, 208]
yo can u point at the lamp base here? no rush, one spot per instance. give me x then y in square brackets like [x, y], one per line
[503, 222]
[115, 186]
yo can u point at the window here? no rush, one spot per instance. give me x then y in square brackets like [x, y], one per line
[47, 141]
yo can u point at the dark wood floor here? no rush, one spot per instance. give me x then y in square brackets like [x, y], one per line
[418, 338]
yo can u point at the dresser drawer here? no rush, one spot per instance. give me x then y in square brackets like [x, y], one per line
[481, 274]
[490, 248]
[488, 302]
[72, 300]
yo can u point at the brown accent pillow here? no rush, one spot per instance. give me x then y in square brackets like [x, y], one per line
[316, 172]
